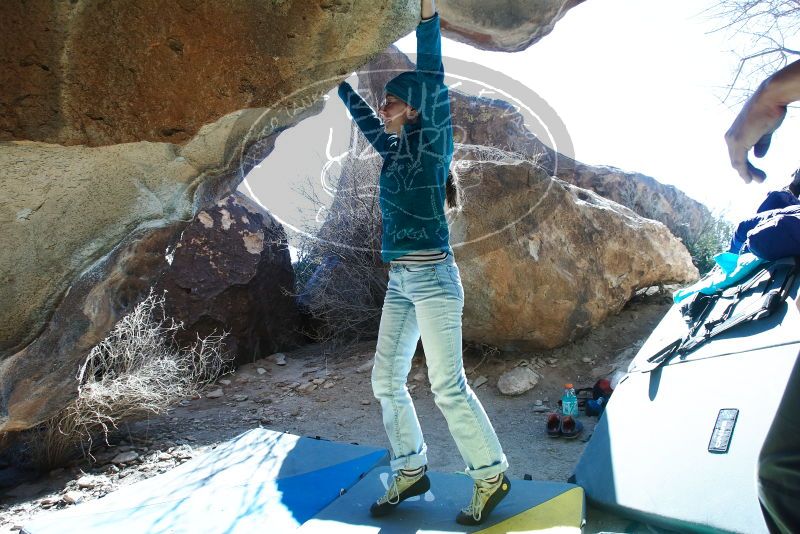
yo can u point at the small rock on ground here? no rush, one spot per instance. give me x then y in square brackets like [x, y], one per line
[517, 381]
[481, 380]
[72, 497]
[87, 481]
[125, 457]
[307, 387]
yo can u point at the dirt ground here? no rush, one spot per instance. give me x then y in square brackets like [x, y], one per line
[329, 395]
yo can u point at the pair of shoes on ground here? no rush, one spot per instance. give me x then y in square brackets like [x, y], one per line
[485, 496]
[564, 426]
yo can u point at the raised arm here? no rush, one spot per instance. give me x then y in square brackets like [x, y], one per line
[437, 129]
[761, 115]
[429, 43]
[428, 8]
[365, 117]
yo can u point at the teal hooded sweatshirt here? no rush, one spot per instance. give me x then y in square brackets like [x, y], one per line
[415, 162]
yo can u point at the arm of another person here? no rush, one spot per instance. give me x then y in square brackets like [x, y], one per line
[761, 115]
[365, 117]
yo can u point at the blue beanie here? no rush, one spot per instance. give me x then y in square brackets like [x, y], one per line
[407, 86]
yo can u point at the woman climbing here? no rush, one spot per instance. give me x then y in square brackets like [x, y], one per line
[424, 296]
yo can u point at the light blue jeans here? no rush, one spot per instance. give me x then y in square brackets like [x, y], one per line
[428, 300]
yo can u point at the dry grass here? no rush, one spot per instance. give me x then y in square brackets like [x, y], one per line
[137, 370]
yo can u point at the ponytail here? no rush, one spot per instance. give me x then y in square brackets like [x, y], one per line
[452, 192]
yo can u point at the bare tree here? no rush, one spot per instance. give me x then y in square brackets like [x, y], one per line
[770, 26]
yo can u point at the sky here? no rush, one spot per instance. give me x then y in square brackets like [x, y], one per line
[639, 85]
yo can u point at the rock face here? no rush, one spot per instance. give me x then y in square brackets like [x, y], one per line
[100, 73]
[158, 70]
[686, 218]
[544, 261]
[66, 208]
[228, 267]
[39, 380]
[228, 273]
[63, 207]
[501, 25]
[126, 119]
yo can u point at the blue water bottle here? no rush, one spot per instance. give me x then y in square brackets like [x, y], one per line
[569, 402]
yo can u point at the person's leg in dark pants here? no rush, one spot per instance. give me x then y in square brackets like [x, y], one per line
[779, 463]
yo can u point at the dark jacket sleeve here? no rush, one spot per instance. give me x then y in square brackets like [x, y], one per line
[429, 48]
[437, 129]
[365, 117]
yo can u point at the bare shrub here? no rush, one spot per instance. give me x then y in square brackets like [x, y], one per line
[769, 29]
[137, 370]
[341, 279]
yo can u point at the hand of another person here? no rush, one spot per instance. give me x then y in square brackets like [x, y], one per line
[761, 115]
[753, 128]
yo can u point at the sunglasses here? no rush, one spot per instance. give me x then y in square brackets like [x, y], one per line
[385, 103]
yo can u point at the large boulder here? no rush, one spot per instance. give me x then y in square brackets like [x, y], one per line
[543, 261]
[65, 209]
[227, 270]
[84, 231]
[231, 272]
[37, 381]
[686, 218]
[100, 73]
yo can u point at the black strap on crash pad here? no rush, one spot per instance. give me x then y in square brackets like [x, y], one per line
[701, 331]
